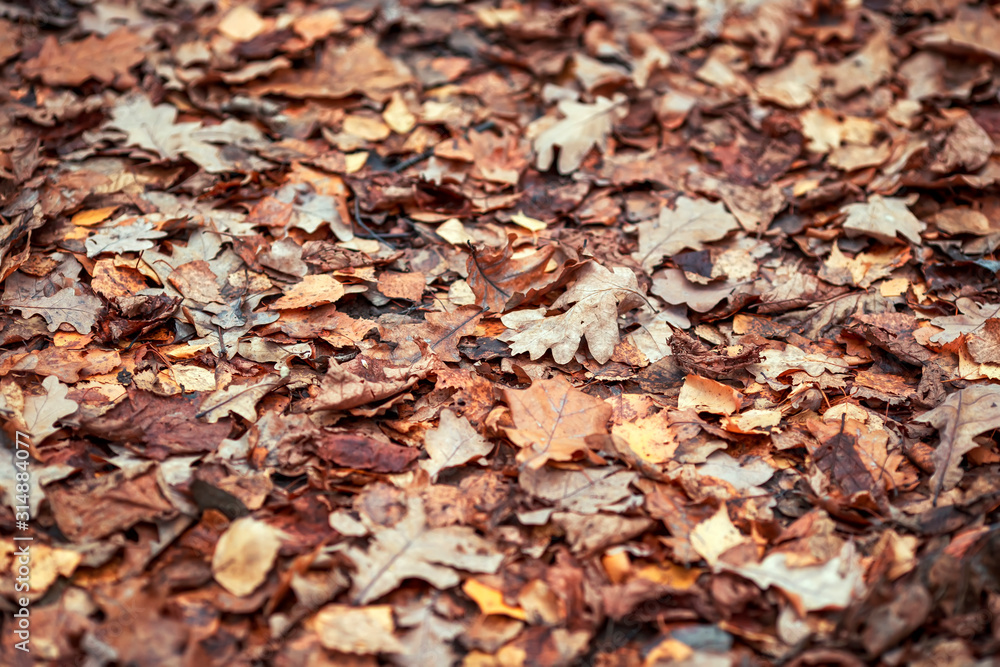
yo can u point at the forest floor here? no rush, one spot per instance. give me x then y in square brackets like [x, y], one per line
[559, 333]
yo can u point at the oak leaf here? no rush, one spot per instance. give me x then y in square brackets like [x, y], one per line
[412, 549]
[552, 421]
[598, 297]
[960, 418]
[584, 127]
[155, 129]
[123, 238]
[688, 226]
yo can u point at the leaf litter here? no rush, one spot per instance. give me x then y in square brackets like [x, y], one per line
[502, 334]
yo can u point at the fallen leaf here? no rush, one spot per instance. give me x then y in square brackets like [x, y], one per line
[95, 57]
[490, 600]
[313, 290]
[552, 420]
[704, 395]
[361, 453]
[598, 297]
[41, 413]
[883, 218]
[453, 443]
[361, 631]
[244, 555]
[960, 418]
[832, 585]
[412, 549]
[715, 536]
[583, 127]
[496, 277]
[973, 316]
[123, 238]
[689, 225]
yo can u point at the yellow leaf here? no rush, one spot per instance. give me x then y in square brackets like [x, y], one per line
[531, 224]
[355, 161]
[94, 216]
[397, 115]
[490, 600]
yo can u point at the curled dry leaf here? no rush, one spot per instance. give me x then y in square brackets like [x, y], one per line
[704, 395]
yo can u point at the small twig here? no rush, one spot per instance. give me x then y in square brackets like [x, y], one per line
[361, 223]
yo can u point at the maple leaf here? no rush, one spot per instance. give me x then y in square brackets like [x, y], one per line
[883, 218]
[552, 420]
[598, 297]
[688, 226]
[960, 418]
[584, 127]
[453, 443]
[412, 549]
[496, 277]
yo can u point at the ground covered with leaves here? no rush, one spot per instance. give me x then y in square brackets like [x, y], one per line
[495, 334]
